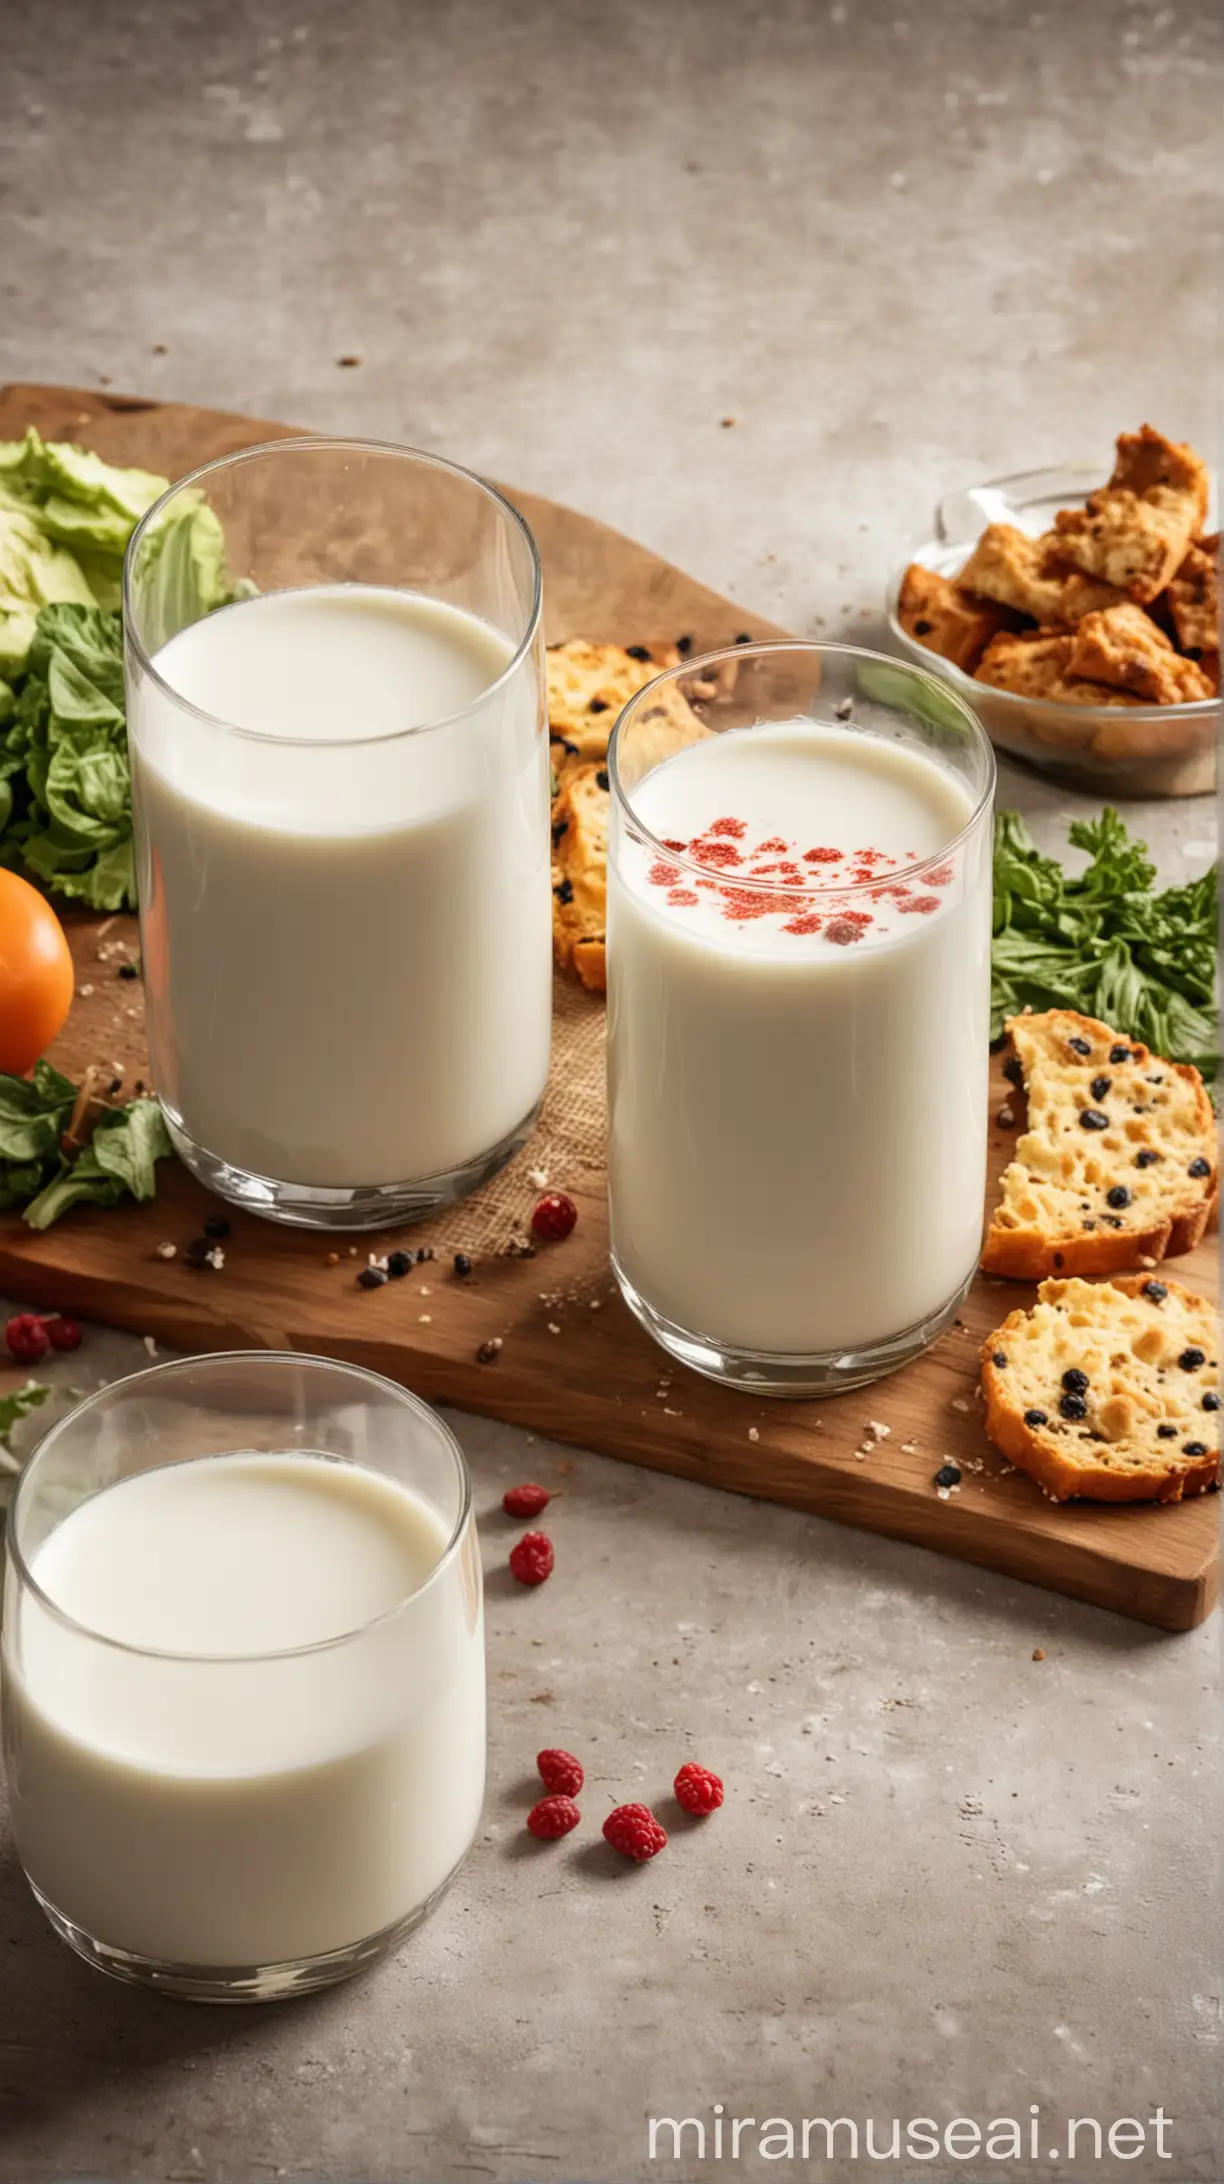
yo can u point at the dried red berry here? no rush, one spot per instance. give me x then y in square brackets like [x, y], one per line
[27, 1338]
[560, 1771]
[62, 1334]
[554, 1217]
[634, 1831]
[697, 1789]
[526, 1500]
[532, 1558]
[553, 1817]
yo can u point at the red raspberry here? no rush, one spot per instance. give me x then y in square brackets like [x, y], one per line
[554, 1217]
[526, 1500]
[552, 1817]
[560, 1771]
[697, 1789]
[62, 1334]
[532, 1558]
[27, 1338]
[634, 1831]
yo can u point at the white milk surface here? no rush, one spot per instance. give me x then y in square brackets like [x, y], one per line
[346, 926]
[798, 1078]
[213, 1809]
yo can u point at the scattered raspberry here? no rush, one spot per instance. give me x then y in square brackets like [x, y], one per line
[682, 898]
[822, 856]
[61, 1333]
[27, 1338]
[774, 847]
[554, 1217]
[846, 929]
[560, 1772]
[715, 853]
[922, 904]
[736, 829]
[663, 875]
[526, 1500]
[808, 923]
[532, 1558]
[634, 1831]
[677, 849]
[939, 875]
[697, 1789]
[553, 1817]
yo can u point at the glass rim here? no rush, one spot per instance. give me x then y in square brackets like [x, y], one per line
[333, 443]
[168, 1368]
[761, 648]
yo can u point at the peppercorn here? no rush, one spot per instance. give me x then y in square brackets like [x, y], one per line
[948, 1475]
[400, 1263]
[371, 1277]
[462, 1265]
[216, 1225]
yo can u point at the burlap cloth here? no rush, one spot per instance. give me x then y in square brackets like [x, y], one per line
[567, 1144]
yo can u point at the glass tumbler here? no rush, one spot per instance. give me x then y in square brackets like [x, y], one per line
[243, 1673]
[340, 792]
[798, 1011]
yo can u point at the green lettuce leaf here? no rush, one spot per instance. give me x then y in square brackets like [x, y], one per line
[18, 1404]
[120, 1157]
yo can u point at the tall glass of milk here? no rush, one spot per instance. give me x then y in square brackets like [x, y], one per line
[340, 790]
[798, 1012]
[243, 1673]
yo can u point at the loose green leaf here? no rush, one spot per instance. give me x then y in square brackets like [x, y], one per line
[18, 1405]
[120, 1157]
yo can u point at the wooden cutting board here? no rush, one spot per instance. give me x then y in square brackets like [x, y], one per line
[573, 1363]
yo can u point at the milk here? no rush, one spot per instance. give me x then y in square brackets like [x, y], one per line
[797, 1136]
[346, 925]
[219, 1809]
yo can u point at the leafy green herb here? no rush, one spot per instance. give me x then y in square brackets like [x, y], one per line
[1103, 942]
[37, 1175]
[65, 520]
[64, 755]
[17, 1405]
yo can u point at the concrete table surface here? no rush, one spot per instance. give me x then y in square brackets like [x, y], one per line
[901, 248]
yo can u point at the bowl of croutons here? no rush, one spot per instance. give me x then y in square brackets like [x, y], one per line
[1080, 620]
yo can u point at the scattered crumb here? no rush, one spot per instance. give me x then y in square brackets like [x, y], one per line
[167, 1251]
[1005, 1117]
[753, 1434]
[909, 1448]
[424, 1290]
[1145, 1260]
[150, 1345]
[489, 1350]
[553, 1328]
[348, 363]
[538, 1177]
[672, 1413]
[84, 992]
[333, 1258]
[961, 1403]
[1039, 1653]
[879, 1432]
[726, 423]
[425, 1319]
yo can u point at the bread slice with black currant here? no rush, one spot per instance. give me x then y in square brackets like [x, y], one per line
[1117, 1165]
[1108, 1391]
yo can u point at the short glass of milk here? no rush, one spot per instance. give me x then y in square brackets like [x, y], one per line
[798, 1012]
[340, 791]
[243, 1673]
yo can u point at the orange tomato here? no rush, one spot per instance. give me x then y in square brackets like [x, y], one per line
[36, 976]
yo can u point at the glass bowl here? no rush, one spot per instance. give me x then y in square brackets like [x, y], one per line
[1130, 750]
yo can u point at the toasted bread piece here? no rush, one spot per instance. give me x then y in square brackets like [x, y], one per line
[1108, 1390]
[1118, 1160]
[1025, 573]
[1123, 646]
[1194, 599]
[580, 874]
[588, 684]
[1083, 595]
[1037, 665]
[947, 618]
[1135, 531]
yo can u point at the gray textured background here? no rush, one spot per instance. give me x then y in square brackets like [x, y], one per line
[902, 247]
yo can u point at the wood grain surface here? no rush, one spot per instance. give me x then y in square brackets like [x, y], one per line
[573, 1363]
